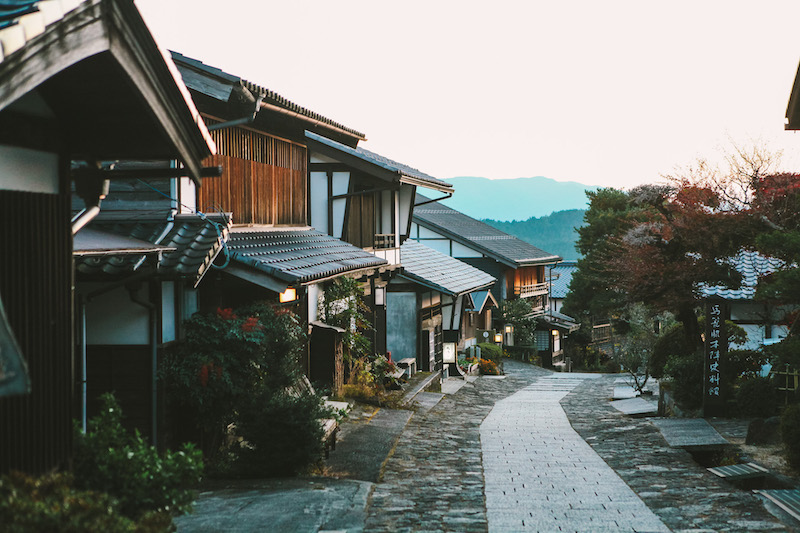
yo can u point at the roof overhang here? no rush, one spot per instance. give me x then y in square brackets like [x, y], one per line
[94, 242]
[559, 321]
[352, 158]
[113, 92]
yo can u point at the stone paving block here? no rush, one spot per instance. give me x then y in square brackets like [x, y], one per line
[535, 426]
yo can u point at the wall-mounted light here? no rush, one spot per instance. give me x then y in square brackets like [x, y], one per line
[380, 295]
[289, 295]
[555, 333]
[498, 338]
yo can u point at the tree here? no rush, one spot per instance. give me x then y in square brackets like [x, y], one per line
[636, 347]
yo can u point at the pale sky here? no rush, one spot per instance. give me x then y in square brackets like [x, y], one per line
[612, 93]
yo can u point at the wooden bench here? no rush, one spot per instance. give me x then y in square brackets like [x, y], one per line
[739, 472]
[786, 499]
[409, 365]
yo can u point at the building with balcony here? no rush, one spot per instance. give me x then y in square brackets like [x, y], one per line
[520, 268]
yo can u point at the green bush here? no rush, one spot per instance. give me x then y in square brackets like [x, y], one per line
[790, 434]
[111, 460]
[756, 397]
[281, 434]
[491, 352]
[686, 372]
[50, 503]
[225, 358]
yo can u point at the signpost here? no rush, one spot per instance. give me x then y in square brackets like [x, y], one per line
[716, 355]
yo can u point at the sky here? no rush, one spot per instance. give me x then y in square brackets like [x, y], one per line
[613, 93]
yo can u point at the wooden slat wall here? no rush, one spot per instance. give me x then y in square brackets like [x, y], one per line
[35, 283]
[527, 276]
[361, 218]
[264, 178]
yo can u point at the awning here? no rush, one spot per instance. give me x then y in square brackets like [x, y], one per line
[280, 257]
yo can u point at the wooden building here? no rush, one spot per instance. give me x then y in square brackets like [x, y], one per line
[80, 83]
[437, 300]
[521, 269]
[308, 206]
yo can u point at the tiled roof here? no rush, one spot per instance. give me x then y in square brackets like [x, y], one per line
[402, 173]
[440, 271]
[480, 299]
[752, 266]
[480, 236]
[194, 243]
[22, 20]
[562, 274]
[560, 320]
[269, 96]
[298, 255]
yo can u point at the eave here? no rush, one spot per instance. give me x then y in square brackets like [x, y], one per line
[111, 33]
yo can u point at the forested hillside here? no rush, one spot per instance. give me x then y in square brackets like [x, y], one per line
[554, 233]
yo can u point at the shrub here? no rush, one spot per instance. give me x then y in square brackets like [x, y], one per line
[756, 397]
[109, 459]
[225, 358]
[686, 372]
[490, 351]
[790, 434]
[50, 503]
[281, 434]
[488, 367]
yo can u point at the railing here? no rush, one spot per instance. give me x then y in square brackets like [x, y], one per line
[538, 304]
[533, 289]
[384, 241]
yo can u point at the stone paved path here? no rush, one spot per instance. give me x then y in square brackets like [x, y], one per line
[540, 475]
[681, 492]
[434, 479]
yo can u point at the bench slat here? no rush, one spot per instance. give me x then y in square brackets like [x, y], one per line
[740, 471]
[786, 499]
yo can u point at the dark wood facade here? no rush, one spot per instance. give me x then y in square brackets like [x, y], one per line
[35, 283]
[263, 179]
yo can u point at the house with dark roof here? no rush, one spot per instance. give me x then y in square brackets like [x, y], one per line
[308, 206]
[435, 308]
[81, 83]
[520, 267]
[764, 322]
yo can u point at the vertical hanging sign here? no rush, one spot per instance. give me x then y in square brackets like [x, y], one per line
[716, 348]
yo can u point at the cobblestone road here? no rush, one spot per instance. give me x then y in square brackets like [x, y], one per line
[434, 479]
[439, 478]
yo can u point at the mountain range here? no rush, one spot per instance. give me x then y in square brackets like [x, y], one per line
[515, 199]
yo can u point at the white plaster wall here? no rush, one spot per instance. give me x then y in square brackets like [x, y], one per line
[111, 318]
[314, 294]
[168, 324]
[23, 169]
[459, 250]
[319, 200]
[341, 182]
[187, 194]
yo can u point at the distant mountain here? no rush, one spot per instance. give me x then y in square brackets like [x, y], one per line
[516, 199]
[554, 233]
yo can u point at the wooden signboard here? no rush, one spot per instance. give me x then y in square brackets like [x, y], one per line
[716, 355]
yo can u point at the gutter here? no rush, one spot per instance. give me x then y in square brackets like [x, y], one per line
[93, 190]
